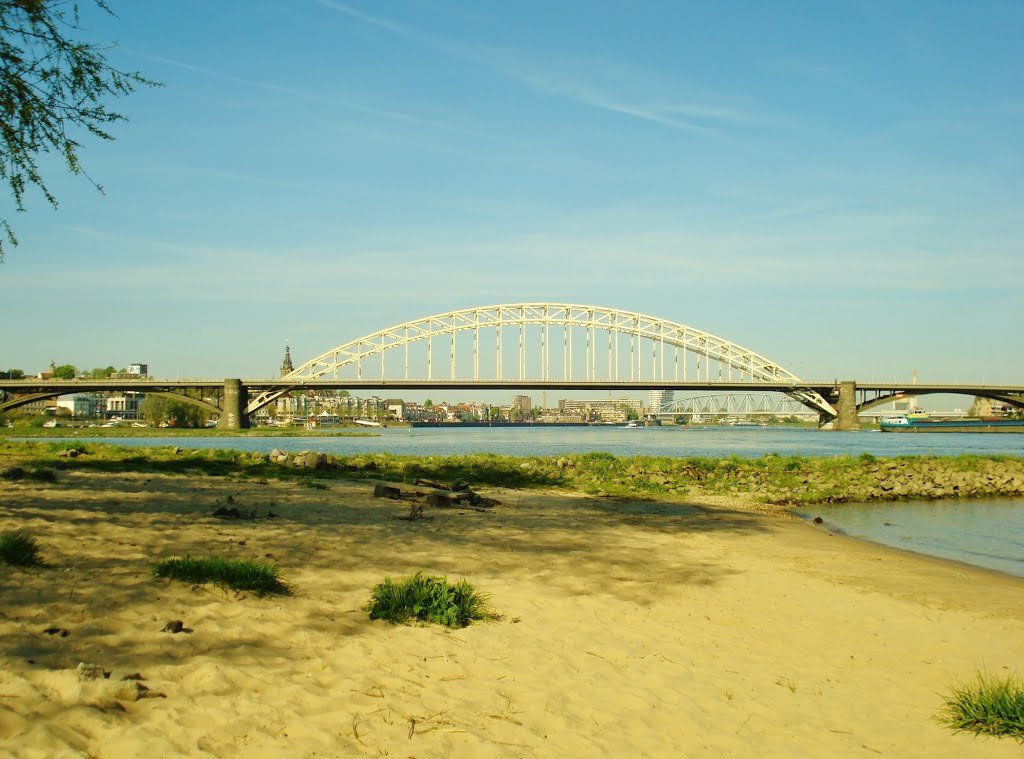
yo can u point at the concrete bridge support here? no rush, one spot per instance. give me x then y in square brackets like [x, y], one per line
[233, 416]
[846, 405]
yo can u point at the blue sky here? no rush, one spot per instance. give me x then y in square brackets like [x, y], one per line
[838, 186]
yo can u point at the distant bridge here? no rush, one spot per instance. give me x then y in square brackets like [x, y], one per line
[528, 346]
[733, 404]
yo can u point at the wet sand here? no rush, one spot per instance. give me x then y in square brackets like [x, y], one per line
[627, 628]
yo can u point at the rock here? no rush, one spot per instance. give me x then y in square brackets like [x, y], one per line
[309, 460]
[131, 690]
[88, 671]
[175, 626]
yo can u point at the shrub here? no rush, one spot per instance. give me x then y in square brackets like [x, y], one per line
[427, 599]
[19, 548]
[236, 574]
[990, 705]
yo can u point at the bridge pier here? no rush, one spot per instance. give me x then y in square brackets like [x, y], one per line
[846, 405]
[233, 416]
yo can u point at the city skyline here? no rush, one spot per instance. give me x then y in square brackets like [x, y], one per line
[836, 188]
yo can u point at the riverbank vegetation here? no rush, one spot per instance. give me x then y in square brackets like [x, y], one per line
[36, 430]
[771, 479]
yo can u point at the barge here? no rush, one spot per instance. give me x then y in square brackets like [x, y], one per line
[922, 423]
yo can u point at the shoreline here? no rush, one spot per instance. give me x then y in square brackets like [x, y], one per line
[917, 555]
[703, 626]
[773, 483]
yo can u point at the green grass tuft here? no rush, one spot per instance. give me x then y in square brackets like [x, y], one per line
[428, 599]
[262, 578]
[990, 705]
[19, 548]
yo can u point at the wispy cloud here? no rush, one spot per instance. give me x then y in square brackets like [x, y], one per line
[378, 21]
[315, 97]
[602, 85]
[596, 83]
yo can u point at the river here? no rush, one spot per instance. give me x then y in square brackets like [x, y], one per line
[984, 533]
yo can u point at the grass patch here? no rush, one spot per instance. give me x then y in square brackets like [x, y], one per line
[428, 599]
[990, 705]
[262, 578]
[20, 549]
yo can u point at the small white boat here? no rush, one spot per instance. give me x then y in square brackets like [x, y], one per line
[368, 423]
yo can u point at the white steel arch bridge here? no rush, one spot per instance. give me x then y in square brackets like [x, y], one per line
[545, 345]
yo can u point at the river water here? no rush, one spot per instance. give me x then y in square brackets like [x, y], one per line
[984, 533]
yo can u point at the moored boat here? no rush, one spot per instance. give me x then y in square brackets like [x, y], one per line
[923, 423]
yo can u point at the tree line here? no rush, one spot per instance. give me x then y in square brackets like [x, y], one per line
[64, 371]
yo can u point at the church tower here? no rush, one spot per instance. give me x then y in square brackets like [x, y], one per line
[286, 365]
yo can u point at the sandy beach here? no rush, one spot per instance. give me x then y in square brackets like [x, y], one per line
[627, 629]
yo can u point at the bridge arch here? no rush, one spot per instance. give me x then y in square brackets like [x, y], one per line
[879, 399]
[546, 342]
[17, 401]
